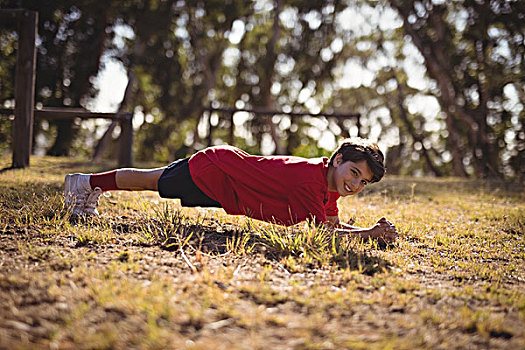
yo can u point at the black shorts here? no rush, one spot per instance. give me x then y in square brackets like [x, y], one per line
[176, 182]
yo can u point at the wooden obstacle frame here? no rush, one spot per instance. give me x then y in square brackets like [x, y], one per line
[26, 23]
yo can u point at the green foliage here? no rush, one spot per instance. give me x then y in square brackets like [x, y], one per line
[310, 151]
[293, 55]
[71, 40]
[8, 40]
[7, 65]
[474, 51]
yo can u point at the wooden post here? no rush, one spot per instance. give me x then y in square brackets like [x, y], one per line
[358, 124]
[210, 128]
[232, 130]
[24, 88]
[104, 141]
[126, 141]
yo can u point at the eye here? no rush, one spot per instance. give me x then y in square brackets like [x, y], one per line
[364, 182]
[354, 172]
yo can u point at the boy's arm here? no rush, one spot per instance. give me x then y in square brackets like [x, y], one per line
[383, 229]
[334, 222]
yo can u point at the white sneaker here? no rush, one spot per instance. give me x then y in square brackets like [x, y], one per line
[80, 198]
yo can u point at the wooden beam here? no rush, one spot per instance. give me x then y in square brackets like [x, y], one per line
[69, 113]
[66, 113]
[275, 112]
[24, 88]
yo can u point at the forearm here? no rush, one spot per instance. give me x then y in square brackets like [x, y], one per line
[344, 228]
[355, 231]
[383, 229]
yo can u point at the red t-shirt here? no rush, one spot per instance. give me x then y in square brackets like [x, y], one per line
[280, 189]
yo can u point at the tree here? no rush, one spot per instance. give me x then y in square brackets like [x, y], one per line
[177, 67]
[7, 70]
[71, 38]
[474, 51]
[285, 54]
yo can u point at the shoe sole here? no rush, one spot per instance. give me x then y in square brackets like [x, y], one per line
[67, 190]
[68, 198]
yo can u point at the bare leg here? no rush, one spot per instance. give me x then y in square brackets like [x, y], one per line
[132, 179]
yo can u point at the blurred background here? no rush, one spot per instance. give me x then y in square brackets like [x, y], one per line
[440, 85]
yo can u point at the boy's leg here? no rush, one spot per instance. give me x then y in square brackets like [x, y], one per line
[138, 179]
[82, 191]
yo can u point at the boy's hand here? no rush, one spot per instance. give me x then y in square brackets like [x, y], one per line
[385, 230]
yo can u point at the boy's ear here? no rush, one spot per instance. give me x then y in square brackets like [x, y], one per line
[338, 160]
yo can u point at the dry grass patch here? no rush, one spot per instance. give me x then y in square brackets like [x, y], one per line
[150, 274]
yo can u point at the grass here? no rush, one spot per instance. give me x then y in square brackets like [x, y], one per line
[150, 274]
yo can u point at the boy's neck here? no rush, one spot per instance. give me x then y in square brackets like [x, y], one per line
[330, 178]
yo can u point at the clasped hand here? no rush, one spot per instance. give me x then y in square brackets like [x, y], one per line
[384, 229]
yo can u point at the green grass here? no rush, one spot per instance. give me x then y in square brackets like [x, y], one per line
[150, 274]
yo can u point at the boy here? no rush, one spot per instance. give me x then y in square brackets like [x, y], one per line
[281, 189]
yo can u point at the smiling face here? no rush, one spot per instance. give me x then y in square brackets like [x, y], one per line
[348, 177]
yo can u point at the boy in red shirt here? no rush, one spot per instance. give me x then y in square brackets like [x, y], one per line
[280, 189]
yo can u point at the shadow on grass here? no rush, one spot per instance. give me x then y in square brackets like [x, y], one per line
[3, 170]
[219, 240]
[213, 240]
[172, 231]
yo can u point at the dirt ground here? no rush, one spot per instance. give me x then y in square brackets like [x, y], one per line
[319, 307]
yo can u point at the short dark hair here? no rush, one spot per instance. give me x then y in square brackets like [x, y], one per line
[356, 149]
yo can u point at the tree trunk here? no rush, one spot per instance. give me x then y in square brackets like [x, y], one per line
[435, 61]
[458, 168]
[63, 140]
[81, 85]
[106, 138]
[267, 81]
[210, 64]
[415, 135]
[488, 161]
